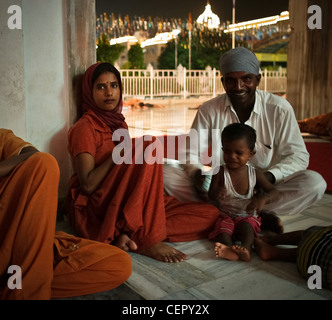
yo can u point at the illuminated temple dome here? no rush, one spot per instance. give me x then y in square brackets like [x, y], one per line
[208, 18]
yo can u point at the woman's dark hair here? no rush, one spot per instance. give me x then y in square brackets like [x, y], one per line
[103, 68]
[237, 131]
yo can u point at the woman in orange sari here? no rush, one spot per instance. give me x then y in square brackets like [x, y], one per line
[124, 203]
[46, 263]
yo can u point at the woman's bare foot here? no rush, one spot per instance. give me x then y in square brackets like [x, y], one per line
[243, 252]
[225, 252]
[125, 243]
[162, 252]
[271, 222]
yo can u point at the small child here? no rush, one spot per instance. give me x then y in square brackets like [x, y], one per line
[232, 190]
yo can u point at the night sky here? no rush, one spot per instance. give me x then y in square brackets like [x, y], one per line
[245, 9]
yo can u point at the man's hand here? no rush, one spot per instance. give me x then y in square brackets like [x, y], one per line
[198, 180]
[270, 177]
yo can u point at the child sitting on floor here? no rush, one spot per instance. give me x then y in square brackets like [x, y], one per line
[232, 190]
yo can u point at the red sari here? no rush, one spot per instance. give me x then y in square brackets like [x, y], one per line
[131, 198]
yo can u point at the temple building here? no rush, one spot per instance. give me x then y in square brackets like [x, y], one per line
[208, 18]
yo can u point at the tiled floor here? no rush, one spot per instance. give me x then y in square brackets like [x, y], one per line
[175, 118]
[203, 276]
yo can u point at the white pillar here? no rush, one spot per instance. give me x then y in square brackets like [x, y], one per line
[233, 33]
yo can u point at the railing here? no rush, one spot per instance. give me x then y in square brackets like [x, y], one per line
[154, 83]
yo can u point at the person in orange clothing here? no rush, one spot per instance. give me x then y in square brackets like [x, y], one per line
[47, 264]
[123, 203]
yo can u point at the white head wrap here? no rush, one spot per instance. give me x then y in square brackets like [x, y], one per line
[237, 60]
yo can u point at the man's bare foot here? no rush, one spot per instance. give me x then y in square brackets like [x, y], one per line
[270, 237]
[225, 252]
[243, 252]
[271, 222]
[268, 252]
[162, 252]
[125, 243]
[264, 250]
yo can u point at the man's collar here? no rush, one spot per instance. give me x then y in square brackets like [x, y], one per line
[257, 106]
[258, 103]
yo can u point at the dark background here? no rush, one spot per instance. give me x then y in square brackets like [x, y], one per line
[245, 9]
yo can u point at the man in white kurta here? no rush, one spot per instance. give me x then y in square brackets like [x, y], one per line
[280, 149]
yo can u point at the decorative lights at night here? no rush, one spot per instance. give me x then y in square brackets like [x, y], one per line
[160, 38]
[258, 22]
[125, 39]
[209, 18]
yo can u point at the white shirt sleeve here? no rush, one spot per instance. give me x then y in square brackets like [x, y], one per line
[291, 154]
[280, 148]
[206, 135]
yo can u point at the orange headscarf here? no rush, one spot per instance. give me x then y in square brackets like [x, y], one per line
[114, 119]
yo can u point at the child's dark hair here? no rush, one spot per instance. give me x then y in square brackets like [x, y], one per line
[237, 131]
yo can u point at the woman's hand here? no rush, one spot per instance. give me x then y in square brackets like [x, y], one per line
[89, 175]
[8, 165]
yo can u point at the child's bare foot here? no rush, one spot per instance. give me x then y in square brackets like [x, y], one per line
[271, 222]
[125, 243]
[244, 253]
[164, 253]
[225, 252]
[264, 250]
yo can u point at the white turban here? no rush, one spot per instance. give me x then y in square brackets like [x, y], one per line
[239, 60]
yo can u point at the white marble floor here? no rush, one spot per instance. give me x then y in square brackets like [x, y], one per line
[202, 276]
[205, 277]
[175, 118]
